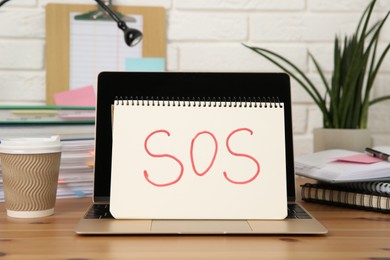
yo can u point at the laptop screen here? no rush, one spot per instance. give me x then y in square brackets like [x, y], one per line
[188, 86]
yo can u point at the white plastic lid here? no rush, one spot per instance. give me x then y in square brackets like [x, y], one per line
[31, 145]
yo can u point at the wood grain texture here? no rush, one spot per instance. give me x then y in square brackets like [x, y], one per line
[353, 234]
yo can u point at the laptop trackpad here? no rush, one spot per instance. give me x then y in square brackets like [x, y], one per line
[200, 226]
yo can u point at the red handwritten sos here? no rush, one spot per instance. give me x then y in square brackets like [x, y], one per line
[146, 174]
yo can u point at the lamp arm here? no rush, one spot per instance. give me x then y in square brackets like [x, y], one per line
[108, 10]
[3, 2]
[132, 36]
[121, 24]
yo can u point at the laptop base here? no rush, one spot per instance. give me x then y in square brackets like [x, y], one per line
[300, 222]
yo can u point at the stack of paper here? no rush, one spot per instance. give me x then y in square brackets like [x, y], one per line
[76, 169]
[343, 166]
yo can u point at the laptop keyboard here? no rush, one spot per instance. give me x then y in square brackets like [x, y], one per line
[102, 211]
[99, 211]
[296, 212]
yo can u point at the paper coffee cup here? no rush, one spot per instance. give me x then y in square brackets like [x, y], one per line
[30, 168]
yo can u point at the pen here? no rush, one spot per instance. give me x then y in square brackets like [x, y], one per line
[378, 154]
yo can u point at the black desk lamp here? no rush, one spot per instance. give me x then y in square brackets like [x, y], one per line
[132, 36]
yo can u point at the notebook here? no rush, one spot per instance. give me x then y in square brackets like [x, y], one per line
[210, 157]
[198, 159]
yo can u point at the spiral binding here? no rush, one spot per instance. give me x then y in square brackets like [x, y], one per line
[372, 187]
[267, 102]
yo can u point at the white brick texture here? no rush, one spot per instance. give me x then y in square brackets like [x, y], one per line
[233, 57]
[22, 23]
[192, 26]
[240, 4]
[22, 54]
[22, 86]
[207, 35]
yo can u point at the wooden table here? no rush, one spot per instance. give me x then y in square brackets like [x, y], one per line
[353, 234]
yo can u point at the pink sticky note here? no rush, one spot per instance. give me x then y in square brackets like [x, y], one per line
[359, 158]
[84, 96]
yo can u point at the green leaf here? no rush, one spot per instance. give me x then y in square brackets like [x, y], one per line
[357, 62]
[305, 82]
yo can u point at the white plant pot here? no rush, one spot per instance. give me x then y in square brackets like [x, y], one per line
[348, 139]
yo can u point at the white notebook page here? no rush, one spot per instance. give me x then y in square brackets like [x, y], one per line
[172, 162]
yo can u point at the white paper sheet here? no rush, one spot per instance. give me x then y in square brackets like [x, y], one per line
[163, 166]
[97, 46]
[324, 166]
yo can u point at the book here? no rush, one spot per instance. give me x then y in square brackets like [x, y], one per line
[37, 121]
[338, 166]
[68, 131]
[352, 196]
[47, 115]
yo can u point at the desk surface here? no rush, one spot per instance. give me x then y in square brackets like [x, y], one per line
[352, 234]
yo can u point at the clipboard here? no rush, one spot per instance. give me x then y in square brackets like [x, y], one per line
[101, 14]
[58, 40]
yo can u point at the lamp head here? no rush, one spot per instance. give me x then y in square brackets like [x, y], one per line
[132, 36]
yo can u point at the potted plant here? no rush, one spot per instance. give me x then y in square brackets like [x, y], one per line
[346, 100]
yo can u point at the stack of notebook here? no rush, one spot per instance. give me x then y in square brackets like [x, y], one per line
[347, 179]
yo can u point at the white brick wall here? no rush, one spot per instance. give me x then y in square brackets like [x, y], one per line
[206, 35]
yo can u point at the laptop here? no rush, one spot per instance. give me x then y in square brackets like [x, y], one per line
[210, 86]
